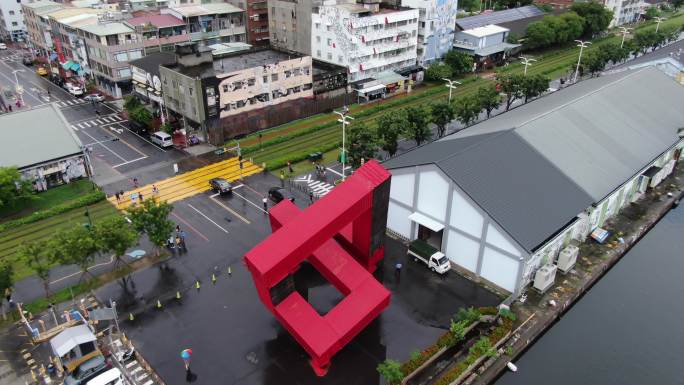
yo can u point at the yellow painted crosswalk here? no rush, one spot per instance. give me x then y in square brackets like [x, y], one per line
[191, 183]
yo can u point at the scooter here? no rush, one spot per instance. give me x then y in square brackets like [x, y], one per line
[125, 355]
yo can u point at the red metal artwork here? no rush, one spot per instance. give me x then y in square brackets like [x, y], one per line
[342, 236]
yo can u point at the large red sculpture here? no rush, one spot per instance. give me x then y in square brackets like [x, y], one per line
[342, 236]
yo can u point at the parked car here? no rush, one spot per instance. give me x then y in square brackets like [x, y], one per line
[96, 97]
[27, 60]
[162, 139]
[73, 89]
[137, 127]
[87, 370]
[221, 185]
[8, 97]
[111, 377]
[434, 259]
[277, 194]
[42, 71]
[3, 46]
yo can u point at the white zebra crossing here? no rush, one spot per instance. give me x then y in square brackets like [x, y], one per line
[71, 102]
[319, 188]
[97, 122]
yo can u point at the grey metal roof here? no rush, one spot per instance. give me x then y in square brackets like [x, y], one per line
[603, 139]
[150, 63]
[498, 17]
[565, 152]
[517, 187]
[35, 136]
[71, 337]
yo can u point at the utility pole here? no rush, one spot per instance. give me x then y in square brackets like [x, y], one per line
[582, 45]
[343, 119]
[625, 31]
[450, 85]
[658, 20]
[527, 62]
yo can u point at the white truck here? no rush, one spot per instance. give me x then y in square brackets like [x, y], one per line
[433, 258]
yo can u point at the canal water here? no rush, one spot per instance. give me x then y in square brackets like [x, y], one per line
[627, 330]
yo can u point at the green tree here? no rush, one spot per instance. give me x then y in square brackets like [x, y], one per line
[489, 98]
[467, 109]
[6, 282]
[438, 71]
[512, 38]
[77, 246]
[361, 144]
[152, 218]
[390, 370]
[131, 102]
[573, 25]
[460, 63]
[442, 114]
[539, 34]
[596, 17]
[677, 4]
[512, 85]
[668, 33]
[612, 52]
[643, 40]
[38, 260]
[652, 12]
[114, 235]
[534, 85]
[418, 119]
[483, 347]
[12, 188]
[594, 62]
[141, 115]
[166, 127]
[469, 5]
[390, 127]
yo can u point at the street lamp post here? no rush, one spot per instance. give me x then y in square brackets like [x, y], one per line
[625, 31]
[658, 20]
[344, 120]
[18, 87]
[582, 45]
[527, 62]
[450, 85]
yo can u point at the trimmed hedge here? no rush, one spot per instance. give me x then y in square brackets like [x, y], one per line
[85, 200]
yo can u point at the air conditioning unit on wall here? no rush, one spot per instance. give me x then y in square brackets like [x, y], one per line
[567, 258]
[544, 278]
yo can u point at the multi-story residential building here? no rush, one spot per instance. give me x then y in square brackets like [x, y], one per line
[110, 47]
[211, 23]
[366, 38]
[487, 44]
[223, 95]
[257, 20]
[437, 20]
[12, 21]
[71, 58]
[625, 11]
[289, 25]
[38, 26]
[159, 33]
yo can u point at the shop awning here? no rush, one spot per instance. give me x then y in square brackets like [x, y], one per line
[67, 65]
[367, 90]
[63, 342]
[425, 221]
[75, 67]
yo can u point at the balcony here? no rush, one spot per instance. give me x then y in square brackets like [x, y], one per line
[154, 41]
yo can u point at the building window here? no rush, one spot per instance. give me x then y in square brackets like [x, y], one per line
[237, 85]
[297, 71]
[274, 77]
[318, 53]
[120, 56]
[288, 73]
[306, 70]
[265, 79]
[339, 59]
[14, 24]
[318, 39]
[225, 88]
[11, 12]
[190, 90]
[251, 81]
[329, 56]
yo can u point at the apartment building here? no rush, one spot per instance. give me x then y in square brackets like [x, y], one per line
[159, 33]
[12, 26]
[110, 47]
[257, 20]
[625, 11]
[368, 39]
[211, 23]
[38, 26]
[289, 24]
[70, 59]
[436, 25]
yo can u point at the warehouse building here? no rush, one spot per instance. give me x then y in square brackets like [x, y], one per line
[502, 198]
[42, 146]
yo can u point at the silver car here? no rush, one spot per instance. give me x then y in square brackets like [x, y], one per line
[96, 97]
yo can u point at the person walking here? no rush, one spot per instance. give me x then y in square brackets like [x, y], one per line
[311, 196]
[121, 194]
[182, 239]
[135, 182]
[118, 197]
[178, 243]
[141, 196]
[397, 271]
[155, 190]
[178, 229]
[282, 178]
[289, 164]
[265, 202]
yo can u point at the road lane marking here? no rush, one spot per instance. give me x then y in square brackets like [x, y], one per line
[207, 218]
[86, 124]
[129, 161]
[108, 149]
[230, 210]
[74, 127]
[251, 203]
[190, 226]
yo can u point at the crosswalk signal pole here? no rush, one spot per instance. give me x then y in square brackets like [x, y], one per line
[343, 119]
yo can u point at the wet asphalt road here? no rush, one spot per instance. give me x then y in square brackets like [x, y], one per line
[234, 339]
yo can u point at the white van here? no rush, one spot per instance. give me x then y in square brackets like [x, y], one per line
[110, 377]
[162, 139]
[74, 89]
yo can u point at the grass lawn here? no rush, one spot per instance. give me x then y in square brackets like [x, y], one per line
[47, 199]
[319, 133]
[10, 240]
